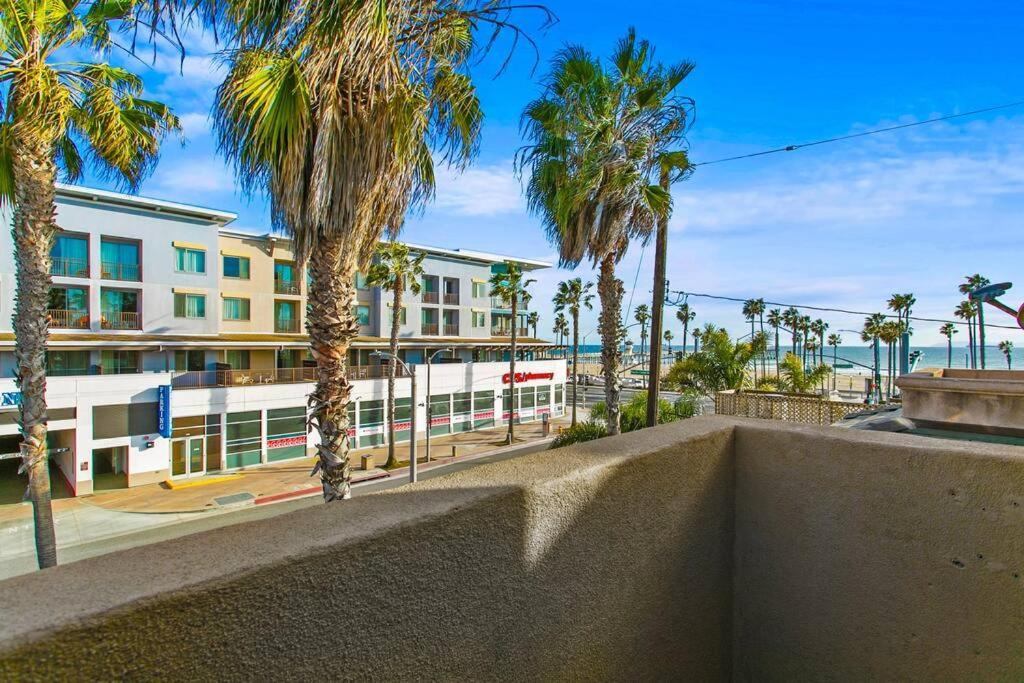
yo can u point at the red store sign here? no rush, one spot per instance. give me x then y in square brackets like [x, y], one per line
[526, 376]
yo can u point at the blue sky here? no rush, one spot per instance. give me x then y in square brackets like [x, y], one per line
[841, 225]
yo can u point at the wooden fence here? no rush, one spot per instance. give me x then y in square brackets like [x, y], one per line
[803, 408]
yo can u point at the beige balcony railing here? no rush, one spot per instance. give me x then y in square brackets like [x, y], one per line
[198, 379]
[451, 330]
[503, 304]
[120, 321]
[119, 271]
[507, 332]
[287, 287]
[69, 267]
[429, 297]
[71, 320]
[451, 299]
[429, 328]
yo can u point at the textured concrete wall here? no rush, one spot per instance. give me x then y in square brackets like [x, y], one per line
[716, 549]
[610, 562]
[867, 556]
[984, 400]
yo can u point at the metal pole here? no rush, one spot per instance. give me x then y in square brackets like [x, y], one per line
[429, 358]
[413, 476]
[981, 332]
[658, 310]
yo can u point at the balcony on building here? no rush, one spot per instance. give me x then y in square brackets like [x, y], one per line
[70, 255]
[286, 317]
[286, 279]
[501, 326]
[451, 291]
[119, 259]
[451, 323]
[68, 308]
[429, 293]
[119, 309]
[428, 321]
[297, 374]
[503, 304]
[711, 549]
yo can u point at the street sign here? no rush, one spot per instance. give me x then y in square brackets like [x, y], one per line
[842, 366]
[641, 373]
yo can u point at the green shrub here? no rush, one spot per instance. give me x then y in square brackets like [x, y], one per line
[633, 415]
[583, 431]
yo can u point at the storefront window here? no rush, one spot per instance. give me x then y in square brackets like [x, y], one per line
[462, 411]
[286, 433]
[440, 414]
[244, 439]
[371, 415]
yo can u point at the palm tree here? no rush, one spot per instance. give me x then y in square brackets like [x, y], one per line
[834, 340]
[805, 333]
[967, 311]
[901, 304]
[872, 332]
[685, 315]
[642, 315]
[791, 318]
[775, 322]
[395, 269]
[532, 320]
[971, 283]
[720, 364]
[890, 333]
[750, 314]
[1007, 348]
[947, 331]
[560, 328]
[510, 286]
[341, 129]
[573, 296]
[818, 328]
[57, 114]
[596, 137]
[696, 340]
[798, 379]
[668, 339]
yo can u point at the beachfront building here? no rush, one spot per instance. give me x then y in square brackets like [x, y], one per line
[178, 347]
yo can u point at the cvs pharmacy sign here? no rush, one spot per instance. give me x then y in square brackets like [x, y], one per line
[526, 376]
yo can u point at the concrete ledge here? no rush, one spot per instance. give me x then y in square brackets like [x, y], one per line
[200, 481]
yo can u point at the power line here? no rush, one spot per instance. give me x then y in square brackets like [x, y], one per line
[792, 148]
[830, 310]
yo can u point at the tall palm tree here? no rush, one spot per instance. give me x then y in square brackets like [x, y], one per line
[532, 320]
[59, 112]
[573, 296]
[511, 286]
[805, 333]
[872, 332]
[791, 318]
[668, 339]
[560, 328]
[750, 314]
[967, 311]
[696, 340]
[947, 331]
[890, 334]
[685, 315]
[1006, 347]
[395, 269]
[834, 340]
[818, 328]
[595, 141]
[775, 322]
[642, 315]
[338, 111]
[971, 283]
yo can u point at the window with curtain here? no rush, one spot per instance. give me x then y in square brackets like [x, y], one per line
[70, 256]
[189, 305]
[119, 362]
[236, 308]
[188, 260]
[238, 359]
[236, 267]
[479, 319]
[116, 301]
[479, 290]
[284, 272]
[119, 259]
[361, 314]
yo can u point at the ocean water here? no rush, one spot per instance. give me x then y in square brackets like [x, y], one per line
[932, 356]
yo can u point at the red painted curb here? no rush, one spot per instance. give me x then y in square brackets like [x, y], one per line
[309, 491]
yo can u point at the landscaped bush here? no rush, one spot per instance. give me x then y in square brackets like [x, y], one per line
[583, 431]
[633, 415]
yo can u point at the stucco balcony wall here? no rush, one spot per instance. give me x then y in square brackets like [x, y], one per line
[714, 549]
[983, 400]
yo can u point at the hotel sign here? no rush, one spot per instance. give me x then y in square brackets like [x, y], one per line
[526, 377]
[163, 410]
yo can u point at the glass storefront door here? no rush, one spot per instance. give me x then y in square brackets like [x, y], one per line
[188, 457]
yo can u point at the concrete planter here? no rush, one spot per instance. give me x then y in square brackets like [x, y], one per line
[971, 400]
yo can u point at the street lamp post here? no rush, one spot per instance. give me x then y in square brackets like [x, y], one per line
[413, 474]
[430, 359]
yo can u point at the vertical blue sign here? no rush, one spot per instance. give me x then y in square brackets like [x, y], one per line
[163, 407]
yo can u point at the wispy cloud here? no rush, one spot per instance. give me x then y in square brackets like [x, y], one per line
[479, 191]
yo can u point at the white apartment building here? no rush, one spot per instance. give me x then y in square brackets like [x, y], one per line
[177, 347]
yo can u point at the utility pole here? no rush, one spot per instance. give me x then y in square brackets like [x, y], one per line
[657, 310]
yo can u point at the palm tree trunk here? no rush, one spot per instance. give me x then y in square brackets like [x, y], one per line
[575, 361]
[981, 333]
[332, 327]
[686, 326]
[35, 177]
[949, 351]
[776, 355]
[610, 290]
[764, 366]
[512, 370]
[396, 321]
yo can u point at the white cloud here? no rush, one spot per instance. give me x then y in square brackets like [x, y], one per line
[195, 124]
[479, 191]
[190, 177]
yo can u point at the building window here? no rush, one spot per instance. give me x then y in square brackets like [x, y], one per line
[403, 418]
[119, 309]
[362, 314]
[236, 308]
[64, 363]
[68, 307]
[360, 281]
[70, 256]
[190, 260]
[191, 360]
[244, 439]
[462, 411]
[286, 433]
[119, 260]
[236, 267]
[483, 409]
[558, 398]
[189, 305]
[440, 413]
[286, 317]
[119, 362]
[479, 290]
[237, 359]
[285, 278]
[479, 319]
[371, 415]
